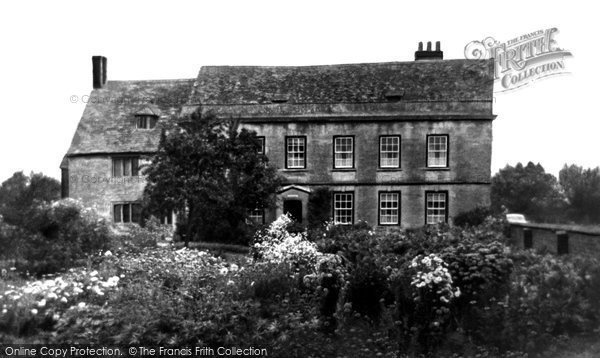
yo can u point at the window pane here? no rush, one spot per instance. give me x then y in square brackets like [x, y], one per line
[261, 145]
[437, 151]
[343, 151]
[389, 152]
[135, 166]
[436, 208]
[117, 167]
[127, 167]
[152, 122]
[389, 205]
[136, 213]
[126, 213]
[343, 208]
[257, 216]
[117, 210]
[295, 148]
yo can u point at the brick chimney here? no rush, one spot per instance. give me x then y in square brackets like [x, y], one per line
[428, 54]
[99, 71]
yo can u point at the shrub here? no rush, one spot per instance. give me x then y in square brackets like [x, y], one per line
[267, 281]
[12, 242]
[319, 208]
[473, 217]
[550, 297]
[432, 294]
[367, 286]
[135, 237]
[62, 235]
[275, 244]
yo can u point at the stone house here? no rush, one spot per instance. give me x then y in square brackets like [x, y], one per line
[397, 143]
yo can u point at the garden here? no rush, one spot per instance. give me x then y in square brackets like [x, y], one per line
[332, 291]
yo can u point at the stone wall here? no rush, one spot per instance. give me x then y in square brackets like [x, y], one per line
[91, 181]
[466, 179]
[545, 238]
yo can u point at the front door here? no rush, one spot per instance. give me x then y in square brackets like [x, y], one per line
[294, 208]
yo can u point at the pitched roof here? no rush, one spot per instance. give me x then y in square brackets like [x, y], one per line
[108, 121]
[437, 80]
[447, 87]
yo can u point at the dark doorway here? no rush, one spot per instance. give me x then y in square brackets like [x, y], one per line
[527, 238]
[562, 245]
[294, 207]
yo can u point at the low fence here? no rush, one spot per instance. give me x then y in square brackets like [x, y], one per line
[559, 239]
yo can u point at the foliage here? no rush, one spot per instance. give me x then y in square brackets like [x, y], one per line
[319, 207]
[432, 293]
[136, 237]
[39, 305]
[212, 174]
[551, 297]
[276, 244]
[473, 217]
[438, 290]
[20, 194]
[582, 189]
[528, 190]
[61, 235]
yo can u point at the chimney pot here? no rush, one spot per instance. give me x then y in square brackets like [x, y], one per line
[99, 65]
[429, 54]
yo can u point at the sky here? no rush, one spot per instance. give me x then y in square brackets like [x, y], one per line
[46, 49]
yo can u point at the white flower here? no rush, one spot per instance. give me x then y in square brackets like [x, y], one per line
[93, 273]
[457, 292]
[63, 300]
[233, 267]
[4, 311]
[230, 282]
[42, 303]
[223, 271]
[34, 311]
[108, 253]
[81, 305]
[52, 295]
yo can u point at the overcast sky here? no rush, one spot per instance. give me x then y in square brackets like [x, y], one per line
[46, 49]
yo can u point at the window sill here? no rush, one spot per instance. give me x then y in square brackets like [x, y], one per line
[441, 169]
[389, 169]
[343, 170]
[294, 170]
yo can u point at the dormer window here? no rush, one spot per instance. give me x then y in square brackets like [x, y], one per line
[146, 121]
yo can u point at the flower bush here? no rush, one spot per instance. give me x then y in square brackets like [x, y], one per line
[433, 291]
[276, 244]
[352, 292]
[39, 305]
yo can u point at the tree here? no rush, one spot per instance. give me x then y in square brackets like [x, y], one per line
[212, 174]
[582, 189]
[528, 190]
[20, 193]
